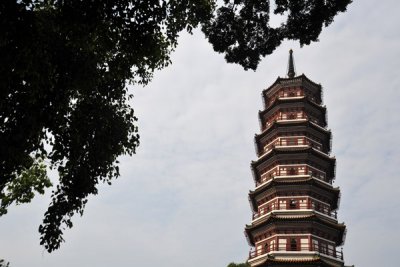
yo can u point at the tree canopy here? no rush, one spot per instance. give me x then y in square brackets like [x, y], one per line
[65, 65]
[3, 263]
[232, 264]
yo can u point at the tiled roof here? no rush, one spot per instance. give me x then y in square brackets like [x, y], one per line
[273, 218]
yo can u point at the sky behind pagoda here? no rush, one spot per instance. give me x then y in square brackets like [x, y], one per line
[182, 200]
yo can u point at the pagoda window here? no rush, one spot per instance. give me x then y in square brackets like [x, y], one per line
[292, 142]
[282, 245]
[293, 244]
[303, 204]
[282, 205]
[259, 250]
[315, 246]
[293, 204]
[304, 244]
[292, 171]
[266, 248]
[323, 248]
[331, 250]
[272, 245]
[317, 206]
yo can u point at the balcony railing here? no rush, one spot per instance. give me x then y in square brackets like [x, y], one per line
[324, 250]
[291, 96]
[293, 116]
[293, 141]
[296, 205]
[293, 171]
[284, 96]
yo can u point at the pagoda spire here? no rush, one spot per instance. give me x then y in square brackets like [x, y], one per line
[291, 73]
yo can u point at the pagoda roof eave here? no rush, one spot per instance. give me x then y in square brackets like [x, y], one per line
[309, 180]
[289, 100]
[308, 217]
[277, 125]
[280, 151]
[275, 151]
[272, 218]
[316, 260]
[279, 80]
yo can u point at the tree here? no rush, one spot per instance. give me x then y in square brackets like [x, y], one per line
[63, 74]
[232, 264]
[3, 263]
[241, 28]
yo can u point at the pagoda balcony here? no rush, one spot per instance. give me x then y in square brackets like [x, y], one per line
[292, 141]
[310, 206]
[302, 117]
[293, 94]
[274, 249]
[292, 118]
[297, 93]
[287, 118]
[284, 97]
[299, 96]
[293, 172]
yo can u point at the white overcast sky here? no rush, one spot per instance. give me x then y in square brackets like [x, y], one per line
[182, 199]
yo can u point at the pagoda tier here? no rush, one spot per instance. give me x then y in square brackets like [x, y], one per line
[293, 162]
[294, 204]
[292, 87]
[304, 193]
[272, 229]
[293, 109]
[288, 134]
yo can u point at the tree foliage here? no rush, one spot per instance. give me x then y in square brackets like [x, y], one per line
[232, 264]
[63, 74]
[242, 30]
[3, 263]
[23, 187]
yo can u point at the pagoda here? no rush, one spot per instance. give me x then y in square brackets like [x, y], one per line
[294, 203]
